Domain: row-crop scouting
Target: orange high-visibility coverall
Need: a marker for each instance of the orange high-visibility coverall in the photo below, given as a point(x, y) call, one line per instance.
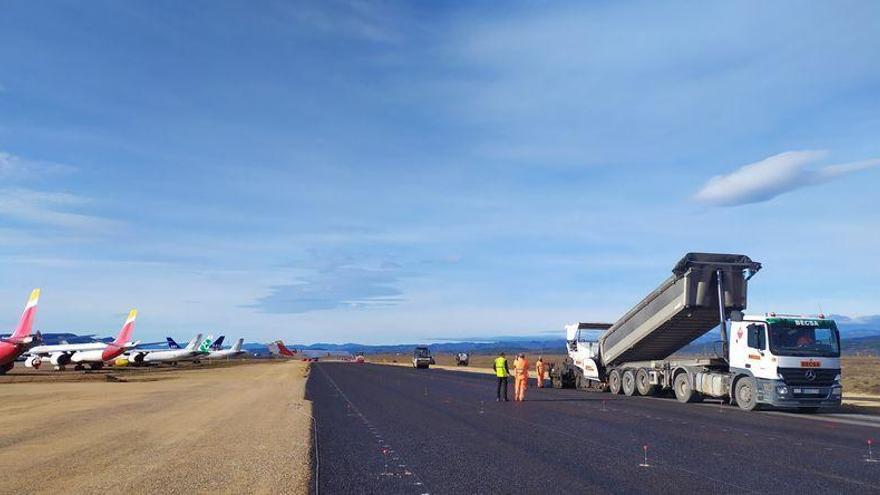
point(521, 368)
point(539, 370)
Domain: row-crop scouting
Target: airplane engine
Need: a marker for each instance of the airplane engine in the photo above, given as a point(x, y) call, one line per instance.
point(33, 362)
point(136, 358)
point(59, 359)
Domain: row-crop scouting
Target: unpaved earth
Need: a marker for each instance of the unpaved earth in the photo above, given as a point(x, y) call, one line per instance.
point(229, 430)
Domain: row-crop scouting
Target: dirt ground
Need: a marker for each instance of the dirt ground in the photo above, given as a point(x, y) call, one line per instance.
point(228, 429)
point(861, 375)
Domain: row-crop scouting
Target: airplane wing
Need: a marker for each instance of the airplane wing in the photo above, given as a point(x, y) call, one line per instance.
point(49, 352)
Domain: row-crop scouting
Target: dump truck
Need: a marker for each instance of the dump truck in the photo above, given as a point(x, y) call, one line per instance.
point(779, 360)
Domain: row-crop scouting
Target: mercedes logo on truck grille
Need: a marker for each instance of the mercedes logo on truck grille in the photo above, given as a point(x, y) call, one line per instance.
point(810, 375)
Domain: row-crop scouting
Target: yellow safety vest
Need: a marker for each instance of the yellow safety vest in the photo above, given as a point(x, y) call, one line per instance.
point(500, 370)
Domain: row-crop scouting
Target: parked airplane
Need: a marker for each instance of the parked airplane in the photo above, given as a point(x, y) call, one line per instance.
point(278, 349)
point(174, 354)
point(94, 354)
point(217, 353)
point(21, 339)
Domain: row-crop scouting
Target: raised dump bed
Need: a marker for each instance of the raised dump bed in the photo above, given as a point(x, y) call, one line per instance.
point(682, 308)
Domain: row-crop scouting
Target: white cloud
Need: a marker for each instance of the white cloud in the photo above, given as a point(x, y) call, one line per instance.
point(16, 167)
point(770, 177)
point(48, 208)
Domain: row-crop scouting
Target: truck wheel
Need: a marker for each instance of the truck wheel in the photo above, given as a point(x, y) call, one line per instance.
point(643, 383)
point(682, 388)
point(614, 382)
point(628, 383)
point(746, 394)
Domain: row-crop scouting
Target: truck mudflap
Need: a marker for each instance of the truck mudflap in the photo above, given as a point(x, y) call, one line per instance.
point(777, 394)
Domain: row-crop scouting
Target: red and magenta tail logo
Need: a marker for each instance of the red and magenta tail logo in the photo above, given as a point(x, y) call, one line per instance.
point(125, 334)
point(284, 351)
point(27, 317)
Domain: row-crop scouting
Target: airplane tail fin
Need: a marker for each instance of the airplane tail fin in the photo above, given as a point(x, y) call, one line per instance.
point(218, 344)
point(206, 344)
point(27, 317)
point(237, 346)
point(124, 336)
point(191, 346)
point(283, 350)
point(172, 344)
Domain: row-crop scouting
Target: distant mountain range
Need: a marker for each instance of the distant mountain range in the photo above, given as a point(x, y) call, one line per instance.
point(863, 326)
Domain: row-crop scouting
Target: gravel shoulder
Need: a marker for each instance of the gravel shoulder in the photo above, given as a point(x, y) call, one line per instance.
point(230, 430)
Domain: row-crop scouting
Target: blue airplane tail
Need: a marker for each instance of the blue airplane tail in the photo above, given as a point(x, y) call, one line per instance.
point(171, 343)
point(218, 344)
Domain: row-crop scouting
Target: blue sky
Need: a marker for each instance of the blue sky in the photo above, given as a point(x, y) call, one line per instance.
point(396, 171)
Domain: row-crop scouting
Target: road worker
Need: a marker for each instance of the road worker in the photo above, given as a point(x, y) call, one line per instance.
point(521, 370)
point(539, 370)
point(502, 372)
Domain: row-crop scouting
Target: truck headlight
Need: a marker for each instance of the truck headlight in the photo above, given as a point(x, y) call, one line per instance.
point(781, 390)
point(836, 391)
point(837, 378)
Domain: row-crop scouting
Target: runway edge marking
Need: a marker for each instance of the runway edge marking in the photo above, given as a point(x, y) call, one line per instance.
point(372, 429)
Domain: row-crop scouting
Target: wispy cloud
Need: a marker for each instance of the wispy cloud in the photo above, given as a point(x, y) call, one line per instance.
point(778, 174)
point(16, 167)
point(50, 208)
point(351, 19)
point(349, 283)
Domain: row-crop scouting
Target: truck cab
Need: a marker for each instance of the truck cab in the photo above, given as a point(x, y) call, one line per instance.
point(422, 358)
point(583, 348)
point(790, 361)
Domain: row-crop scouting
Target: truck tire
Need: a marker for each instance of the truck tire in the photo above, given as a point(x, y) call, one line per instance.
point(746, 394)
point(643, 383)
point(614, 382)
point(681, 385)
point(628, 383)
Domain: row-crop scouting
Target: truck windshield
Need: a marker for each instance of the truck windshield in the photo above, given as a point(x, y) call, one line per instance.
point(425, 353)
point(787, 338)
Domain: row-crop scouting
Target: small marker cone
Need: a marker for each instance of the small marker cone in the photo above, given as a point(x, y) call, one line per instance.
point(870, 456)
point(385, 459)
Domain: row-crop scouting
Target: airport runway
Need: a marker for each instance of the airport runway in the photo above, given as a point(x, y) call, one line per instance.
point(442, 432)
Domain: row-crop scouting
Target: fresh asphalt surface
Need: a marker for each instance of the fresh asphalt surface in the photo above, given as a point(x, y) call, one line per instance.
point(387, 429)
